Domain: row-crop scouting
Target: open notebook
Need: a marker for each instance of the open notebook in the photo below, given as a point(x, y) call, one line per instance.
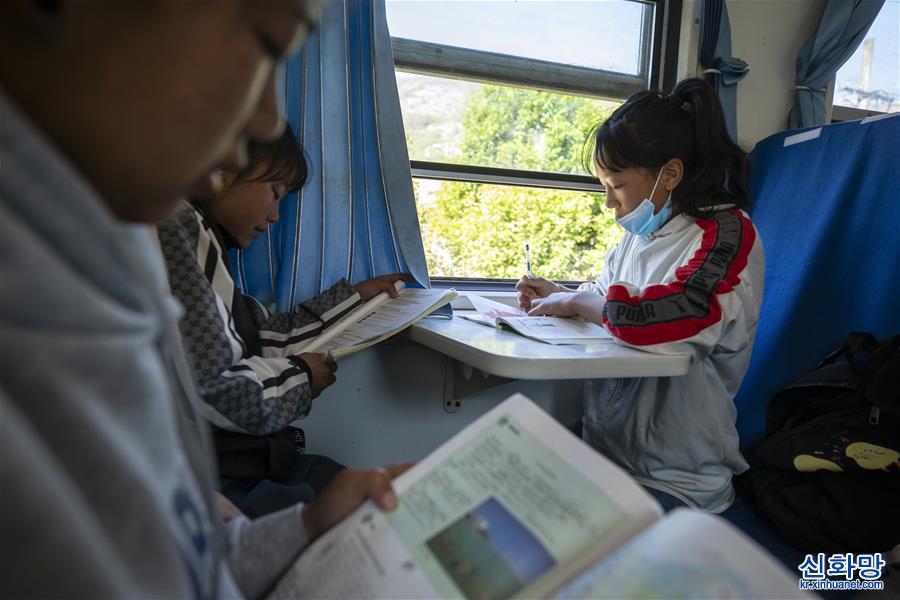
point(515, 505)
point(551, 330)
point(378, 319)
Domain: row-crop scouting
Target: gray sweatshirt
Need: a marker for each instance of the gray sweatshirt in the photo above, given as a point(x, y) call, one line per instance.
point(107, 476)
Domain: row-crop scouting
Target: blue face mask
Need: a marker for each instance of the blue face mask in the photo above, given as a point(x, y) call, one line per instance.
point(642, 220)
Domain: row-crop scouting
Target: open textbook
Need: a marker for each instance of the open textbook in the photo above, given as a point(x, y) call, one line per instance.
point(378, 319)
point(516, 506)
point(551, 330)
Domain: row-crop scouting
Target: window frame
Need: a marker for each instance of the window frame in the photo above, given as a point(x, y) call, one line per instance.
point(428, 58)
point(660, 33)
point(422, 169)
point(840, 113)
point(488, 284)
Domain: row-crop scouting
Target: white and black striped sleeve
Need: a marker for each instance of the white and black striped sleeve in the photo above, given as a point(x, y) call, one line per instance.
point(287, 334)
point(258, 395)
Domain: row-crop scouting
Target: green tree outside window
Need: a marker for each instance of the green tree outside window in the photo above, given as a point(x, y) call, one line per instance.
point(479, 230)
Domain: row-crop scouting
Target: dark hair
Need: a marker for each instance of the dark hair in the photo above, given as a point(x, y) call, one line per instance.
point(652, 128)
point(283, 159)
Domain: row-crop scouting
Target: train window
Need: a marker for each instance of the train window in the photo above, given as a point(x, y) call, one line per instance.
point(497, 100)
point(869, 82)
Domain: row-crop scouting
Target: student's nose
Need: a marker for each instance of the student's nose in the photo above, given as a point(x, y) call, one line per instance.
point(266, 122)
point(273, 216)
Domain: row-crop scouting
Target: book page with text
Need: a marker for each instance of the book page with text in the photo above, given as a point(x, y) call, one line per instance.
point(387, 319)
point(688, 554)
point(513, 504)
point(556, 330)
point(324, 339)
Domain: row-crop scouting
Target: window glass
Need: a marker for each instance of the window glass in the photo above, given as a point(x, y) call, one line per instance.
point(601, 35)
point(480, 230)
point(462, 122)
point(870, 79)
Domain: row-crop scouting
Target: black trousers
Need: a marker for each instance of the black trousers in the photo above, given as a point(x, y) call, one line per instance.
point(263, 474)
point(303, 481)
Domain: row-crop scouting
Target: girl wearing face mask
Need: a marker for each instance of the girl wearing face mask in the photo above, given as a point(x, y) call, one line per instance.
point(249, 365)
point(687, 276)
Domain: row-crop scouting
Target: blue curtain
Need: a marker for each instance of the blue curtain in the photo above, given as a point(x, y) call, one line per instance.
point(842, 27)
point(720, 69)
point(356, 215)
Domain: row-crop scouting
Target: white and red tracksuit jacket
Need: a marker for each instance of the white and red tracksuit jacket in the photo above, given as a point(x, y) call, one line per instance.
point(694, 286)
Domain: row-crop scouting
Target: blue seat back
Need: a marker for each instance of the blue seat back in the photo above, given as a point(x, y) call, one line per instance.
point(828, 213)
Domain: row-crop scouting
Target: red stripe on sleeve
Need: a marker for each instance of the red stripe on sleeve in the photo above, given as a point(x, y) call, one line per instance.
point(651, 332)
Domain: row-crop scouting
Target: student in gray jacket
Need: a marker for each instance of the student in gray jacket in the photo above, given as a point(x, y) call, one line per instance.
point(251, 371)
point(108, 112)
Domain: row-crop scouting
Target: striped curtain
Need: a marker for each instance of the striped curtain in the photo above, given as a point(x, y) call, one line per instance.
point(356, 214)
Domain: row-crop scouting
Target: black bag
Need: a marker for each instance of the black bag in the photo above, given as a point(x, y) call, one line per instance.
point(257, 457)
point(828, 472)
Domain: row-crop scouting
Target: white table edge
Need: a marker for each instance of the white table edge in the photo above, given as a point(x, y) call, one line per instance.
point(590, 367)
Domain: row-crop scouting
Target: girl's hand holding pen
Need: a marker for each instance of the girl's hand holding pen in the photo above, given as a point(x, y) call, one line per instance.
point(529, 288)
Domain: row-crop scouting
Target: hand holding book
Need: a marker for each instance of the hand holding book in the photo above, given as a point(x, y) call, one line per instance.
point(321, 370)
point(382, 316)
point(347, 492)
point(383, 283)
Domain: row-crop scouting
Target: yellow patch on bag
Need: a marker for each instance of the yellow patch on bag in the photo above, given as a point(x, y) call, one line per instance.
point(870, 456)
point(809, 463)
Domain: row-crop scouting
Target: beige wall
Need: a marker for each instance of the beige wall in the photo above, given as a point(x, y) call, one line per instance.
point(767, 34)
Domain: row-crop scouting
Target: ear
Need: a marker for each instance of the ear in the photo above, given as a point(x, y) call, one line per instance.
point(673, 172)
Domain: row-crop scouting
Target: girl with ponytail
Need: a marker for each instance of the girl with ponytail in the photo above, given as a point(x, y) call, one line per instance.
point(687, 276)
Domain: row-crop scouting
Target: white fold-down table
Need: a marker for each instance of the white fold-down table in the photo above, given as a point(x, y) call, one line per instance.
point(511, 355)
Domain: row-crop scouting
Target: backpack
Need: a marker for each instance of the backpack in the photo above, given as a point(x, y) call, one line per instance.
point(827, 473)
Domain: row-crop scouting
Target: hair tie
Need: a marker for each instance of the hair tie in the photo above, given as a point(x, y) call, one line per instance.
point(679, 103)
